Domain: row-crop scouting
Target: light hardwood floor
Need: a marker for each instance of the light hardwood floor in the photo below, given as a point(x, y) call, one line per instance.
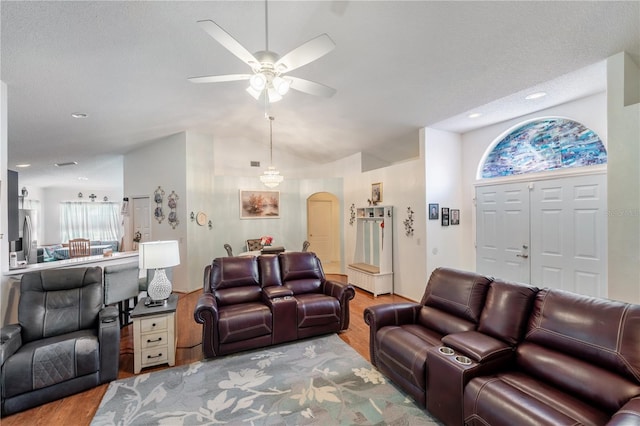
point(79, 409)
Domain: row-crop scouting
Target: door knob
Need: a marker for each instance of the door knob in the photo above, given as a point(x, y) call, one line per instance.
point(524, 256)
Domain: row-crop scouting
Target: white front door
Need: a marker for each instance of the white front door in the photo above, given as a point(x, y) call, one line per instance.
point(549, 233)
point(570, 239)
point(502, 237)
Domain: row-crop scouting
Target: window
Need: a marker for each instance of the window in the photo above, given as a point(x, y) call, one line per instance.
point(95, 221)
point(543, 145)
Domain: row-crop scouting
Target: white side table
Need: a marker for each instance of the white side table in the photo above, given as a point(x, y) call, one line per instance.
point(154, 334)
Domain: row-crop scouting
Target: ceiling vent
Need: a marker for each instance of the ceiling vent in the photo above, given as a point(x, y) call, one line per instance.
point(255, 164)
point(68, 163)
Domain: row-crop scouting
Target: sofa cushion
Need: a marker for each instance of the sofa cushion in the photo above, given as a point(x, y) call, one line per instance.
point(582, 379)
point(301, 272)
point(518, 399)
point(506, 311)
point(442, 322)
point(602, 332)
point(269, 271)
point(459, 293)
point(46, 362)
point(317, 309)
point(52, 303)
point(235, 280)
point(244, 321)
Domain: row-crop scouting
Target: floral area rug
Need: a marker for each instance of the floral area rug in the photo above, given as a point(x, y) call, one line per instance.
point(314, 381)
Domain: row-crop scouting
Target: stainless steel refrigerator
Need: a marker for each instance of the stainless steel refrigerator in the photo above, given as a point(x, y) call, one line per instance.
point(29, 234)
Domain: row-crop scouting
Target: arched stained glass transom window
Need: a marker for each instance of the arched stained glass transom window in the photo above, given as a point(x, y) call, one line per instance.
point(543, 145)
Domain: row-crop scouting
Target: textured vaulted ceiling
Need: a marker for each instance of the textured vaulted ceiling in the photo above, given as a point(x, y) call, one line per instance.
point(398, 66)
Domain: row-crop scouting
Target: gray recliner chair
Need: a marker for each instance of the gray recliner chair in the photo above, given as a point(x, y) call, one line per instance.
point(66, 341)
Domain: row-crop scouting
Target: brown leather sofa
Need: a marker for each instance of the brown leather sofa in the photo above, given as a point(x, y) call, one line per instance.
point(255, 301)
point(526, 357)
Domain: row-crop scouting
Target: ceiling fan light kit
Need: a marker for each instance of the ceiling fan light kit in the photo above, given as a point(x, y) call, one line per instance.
point(268, 67)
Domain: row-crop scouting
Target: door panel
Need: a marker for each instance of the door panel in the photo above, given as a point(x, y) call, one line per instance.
point(141, 219)
point(569, 252)
point(320, 228)
point(503, 231)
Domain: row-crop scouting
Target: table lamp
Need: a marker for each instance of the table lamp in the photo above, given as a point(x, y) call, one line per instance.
point(159, 255)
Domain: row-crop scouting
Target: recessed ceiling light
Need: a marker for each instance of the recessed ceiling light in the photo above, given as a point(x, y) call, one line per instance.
point(79, 115)
point(83, 178)
point(474, 115)
point(68, 163)
point(536, 95)
point(22, 166)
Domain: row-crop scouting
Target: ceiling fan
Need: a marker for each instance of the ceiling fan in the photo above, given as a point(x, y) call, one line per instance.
point(269, 75)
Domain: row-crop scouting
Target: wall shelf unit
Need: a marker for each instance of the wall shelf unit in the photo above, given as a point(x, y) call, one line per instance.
point(372, 267)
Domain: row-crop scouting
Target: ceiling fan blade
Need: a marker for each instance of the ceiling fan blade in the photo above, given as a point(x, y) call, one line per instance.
point(311, 87)
point(305, 53)
point(230, 43)
point(220, 78)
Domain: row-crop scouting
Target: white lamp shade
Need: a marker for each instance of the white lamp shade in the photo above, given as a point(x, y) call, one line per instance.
point(158, 254)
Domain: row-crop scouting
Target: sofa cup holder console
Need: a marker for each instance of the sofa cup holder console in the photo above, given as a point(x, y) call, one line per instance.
point(460, 359)
point(446, 350)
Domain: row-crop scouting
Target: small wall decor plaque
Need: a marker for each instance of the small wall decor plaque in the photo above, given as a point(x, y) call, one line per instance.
point(433, 211)
point(445, 216)
point(455, 217)
point(408, 223)
point(352, 213)
point(376, 193)
point(172, 202)
point(158, 196)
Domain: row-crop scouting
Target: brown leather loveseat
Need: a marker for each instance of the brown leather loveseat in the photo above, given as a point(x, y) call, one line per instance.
point(479, 351)
point(255, 301)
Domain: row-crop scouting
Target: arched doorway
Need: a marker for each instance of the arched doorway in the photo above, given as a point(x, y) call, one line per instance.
point(543, 220)
point(323, 230)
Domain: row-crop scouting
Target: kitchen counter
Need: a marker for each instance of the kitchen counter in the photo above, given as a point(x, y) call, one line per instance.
point(98, 260)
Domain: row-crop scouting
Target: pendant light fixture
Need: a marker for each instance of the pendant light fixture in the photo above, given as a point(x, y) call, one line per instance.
point(271, 177)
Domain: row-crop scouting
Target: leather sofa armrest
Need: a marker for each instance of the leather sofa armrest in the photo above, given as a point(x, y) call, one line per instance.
point(206, 312)
point(10, 341)
point(343, 292)
point(628, 414)
point(109, 338)
point(339, 290)
point(379, 316)
point(479, 347)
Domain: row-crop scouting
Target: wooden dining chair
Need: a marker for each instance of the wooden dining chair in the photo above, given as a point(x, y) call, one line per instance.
point(254, 244)
point(79, 247)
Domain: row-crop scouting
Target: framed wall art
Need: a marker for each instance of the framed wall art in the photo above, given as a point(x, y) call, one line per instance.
point(445, 216)
point(455, 217)
point(433, 211)
point(376, 193)
point(259, 204)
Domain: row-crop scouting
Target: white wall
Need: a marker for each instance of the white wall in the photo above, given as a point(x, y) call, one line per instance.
point(403, 187)
point(590, 111)
point(163, 163)
point(445, 244)
point(623, 190)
